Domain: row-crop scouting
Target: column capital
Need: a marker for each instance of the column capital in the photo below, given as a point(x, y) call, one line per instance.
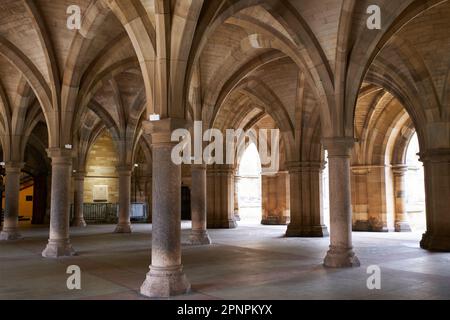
point(400, 169)
point(79, 175)
point(360, 170)
point(436, 155)
point(124, 169)
point(14, 166)
point(161, 131)
point(198, 167)
point(305, 166)
point(60, 155)
point(338, 146)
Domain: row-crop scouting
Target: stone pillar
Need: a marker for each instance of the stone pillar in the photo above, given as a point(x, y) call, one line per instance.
point(148, 196)
point(341, 252)
point(124, 224)
point(437, 191)
point(59, 243)
point(78, 219)
point(360, 201)
point(305, 179)
point(372, 201)
point(237, 179)
point(380, 200)
point(401, 218)
point(199, 234)
point(275, 199)
point(166, 277)
point(12, 189)
point(220, 201)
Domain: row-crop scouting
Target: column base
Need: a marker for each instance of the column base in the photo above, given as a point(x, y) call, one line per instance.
point(435, 242)
point(402, 227)
point(199, 238)
point(274, 221)
point(341, 258)
point(361, 225)
point(306, 231)
point(79, 223)
point(10, 235)
point(237, 217)
point(226, 224)
point(58, 248)
point(123, 228)
point(368, 226)
point(165, 283)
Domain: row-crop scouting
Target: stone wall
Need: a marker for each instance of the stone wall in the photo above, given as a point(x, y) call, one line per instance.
point(101, 169)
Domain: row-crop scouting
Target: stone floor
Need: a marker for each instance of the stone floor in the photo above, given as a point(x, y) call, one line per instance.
point(251, 262)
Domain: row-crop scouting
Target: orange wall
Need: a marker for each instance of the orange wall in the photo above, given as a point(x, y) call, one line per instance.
point(25, 208)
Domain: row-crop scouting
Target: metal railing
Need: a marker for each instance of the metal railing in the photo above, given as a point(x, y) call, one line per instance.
point(108, 213)
point(97, 213)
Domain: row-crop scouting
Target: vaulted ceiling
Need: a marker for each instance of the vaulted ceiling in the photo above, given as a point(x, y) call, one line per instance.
point(302, 63)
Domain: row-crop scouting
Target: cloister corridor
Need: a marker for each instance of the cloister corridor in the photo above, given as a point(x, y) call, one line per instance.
point(126, 128)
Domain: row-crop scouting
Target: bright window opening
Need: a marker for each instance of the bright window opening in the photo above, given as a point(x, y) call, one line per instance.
point(415, 187)
point(249, 186)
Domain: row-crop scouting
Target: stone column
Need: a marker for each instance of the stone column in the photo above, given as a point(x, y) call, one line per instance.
point(380, 201)
point(236, 197)
point(148, 193)
point(372, 202)
point(360, 201)
point(220, 201)
point(437, 191)
point(166, 277)
point(12, 189)
point(199, 234)
point(305, 179)
point(124, 224)
point(59, 243)
point(401, 218)
point(78, 219)
point(275, 198)
point(341, 253)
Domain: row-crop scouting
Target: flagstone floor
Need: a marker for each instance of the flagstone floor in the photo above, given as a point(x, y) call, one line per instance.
point(250, 262)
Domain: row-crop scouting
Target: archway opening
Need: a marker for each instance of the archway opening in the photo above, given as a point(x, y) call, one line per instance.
point(415, 187)
point(249, 186)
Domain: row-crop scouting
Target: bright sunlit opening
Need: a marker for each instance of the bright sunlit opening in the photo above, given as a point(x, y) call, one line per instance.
point(415, 187)
point(249, 186)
